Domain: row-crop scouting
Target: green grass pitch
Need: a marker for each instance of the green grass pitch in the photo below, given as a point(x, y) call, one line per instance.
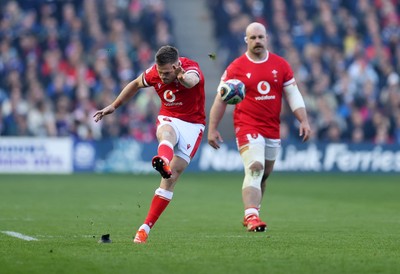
point(317, 223)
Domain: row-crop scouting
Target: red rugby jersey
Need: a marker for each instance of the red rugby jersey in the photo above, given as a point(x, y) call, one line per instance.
point(187, 104)
point(260, 111)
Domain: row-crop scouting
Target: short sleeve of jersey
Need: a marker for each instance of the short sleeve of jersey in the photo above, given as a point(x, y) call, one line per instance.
point(149, 76)
point(288, 77)
point(230, 71)
point(190, 66)
point(236, 68)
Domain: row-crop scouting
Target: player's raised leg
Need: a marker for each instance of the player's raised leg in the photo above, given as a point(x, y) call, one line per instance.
point(167, 138)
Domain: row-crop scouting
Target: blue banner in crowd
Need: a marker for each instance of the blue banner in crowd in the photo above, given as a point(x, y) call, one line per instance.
point(129, 156)
point(35, 155)
point(62, 155)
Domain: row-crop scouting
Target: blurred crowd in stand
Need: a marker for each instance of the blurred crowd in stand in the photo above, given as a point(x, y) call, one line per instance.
point(62, 60)
point(345, 56)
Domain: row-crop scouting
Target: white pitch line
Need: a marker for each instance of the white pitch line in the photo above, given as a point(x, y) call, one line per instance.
point(20, 236)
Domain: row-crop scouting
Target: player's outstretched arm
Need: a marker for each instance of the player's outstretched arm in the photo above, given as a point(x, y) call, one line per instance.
point(216, 113)
point(103, 112)
point(127, 92)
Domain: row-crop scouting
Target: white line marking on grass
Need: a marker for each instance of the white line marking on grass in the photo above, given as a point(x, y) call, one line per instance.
point(63, 236)
point(20, 236)
point(228, 236)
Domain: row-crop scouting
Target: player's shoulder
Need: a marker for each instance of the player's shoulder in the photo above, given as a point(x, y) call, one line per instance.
point(187, 62)
point(238, 62)
point(190, 65)
point(151, 70)
point(150, 75)
point(240, 59)
point(273, 57)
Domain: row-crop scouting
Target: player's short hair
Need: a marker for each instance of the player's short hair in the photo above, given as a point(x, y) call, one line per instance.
point(167, 55)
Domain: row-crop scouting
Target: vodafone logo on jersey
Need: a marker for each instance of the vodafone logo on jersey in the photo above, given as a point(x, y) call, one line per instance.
point(263, 87)
point(169, 96)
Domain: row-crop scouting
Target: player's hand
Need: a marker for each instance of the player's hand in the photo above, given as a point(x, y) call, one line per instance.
point(214, 139)
point(305, 131)
point(179, 71)
point(101, 113)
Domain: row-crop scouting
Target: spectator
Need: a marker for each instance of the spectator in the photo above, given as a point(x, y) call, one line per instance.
point(346, 53)
point(61, 60)
point(342, 51)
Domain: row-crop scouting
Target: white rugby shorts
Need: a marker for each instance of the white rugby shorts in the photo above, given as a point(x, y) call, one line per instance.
point(188, 135)
point(268, 147)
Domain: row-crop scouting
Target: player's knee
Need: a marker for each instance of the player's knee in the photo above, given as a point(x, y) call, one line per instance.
point(166, 132)
point(253, 175)
point(256, 168)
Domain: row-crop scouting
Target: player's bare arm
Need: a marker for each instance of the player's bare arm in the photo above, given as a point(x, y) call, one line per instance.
point(296, 103)
point(187, 78)
point(127, 92)
point(216, 113)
